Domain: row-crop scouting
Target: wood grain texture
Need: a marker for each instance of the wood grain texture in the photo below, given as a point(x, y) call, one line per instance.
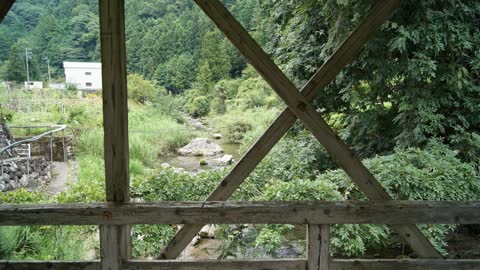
point(52, 265)
point(420, 264)
point(313, 246)
point(324, 247)
point(281, 264)
point(318, 247)
point(114, 240)
point(5, 6)
point(311, 119)
point(347, 51)
point(364, 212)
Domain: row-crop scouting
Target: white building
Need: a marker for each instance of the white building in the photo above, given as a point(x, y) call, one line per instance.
point(33, 85)
point(85, 76)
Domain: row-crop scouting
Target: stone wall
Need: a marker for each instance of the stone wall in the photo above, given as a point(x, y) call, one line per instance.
point(28, 173)
point(5, 140)
point(17, 172)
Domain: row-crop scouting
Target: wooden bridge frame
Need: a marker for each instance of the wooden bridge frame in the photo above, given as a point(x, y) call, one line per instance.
point(117, 215)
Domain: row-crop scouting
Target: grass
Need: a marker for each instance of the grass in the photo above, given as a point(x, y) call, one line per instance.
point(243, 126)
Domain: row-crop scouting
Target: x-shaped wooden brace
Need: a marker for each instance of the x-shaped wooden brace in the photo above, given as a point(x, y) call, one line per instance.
point(5, 6)
point(299, 107)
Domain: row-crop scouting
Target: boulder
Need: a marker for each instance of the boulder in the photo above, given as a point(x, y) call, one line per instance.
point(200, 147)
point(207, 231)
point(197, 124)
point(217, 136)
point(24, 181)
point(223, 161)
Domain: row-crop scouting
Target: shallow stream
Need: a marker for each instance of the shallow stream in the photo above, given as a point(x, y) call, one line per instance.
point(190, 163)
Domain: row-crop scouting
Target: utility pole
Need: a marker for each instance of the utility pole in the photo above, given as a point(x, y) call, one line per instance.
point(27, 51)
point(48, 68)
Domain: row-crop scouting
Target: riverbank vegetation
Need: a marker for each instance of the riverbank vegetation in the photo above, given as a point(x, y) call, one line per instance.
point(408, 107)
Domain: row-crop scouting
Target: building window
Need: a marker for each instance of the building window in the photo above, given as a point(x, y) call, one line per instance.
point(88, 73)
point(88, 84)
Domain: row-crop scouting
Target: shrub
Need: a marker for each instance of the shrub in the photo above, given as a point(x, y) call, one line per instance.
point(198, 107)
point(234, 132)
point(166, 184)
point(434, 173)
point(7, 115)
point(218, 105)
point(252, 93)
point(142, 90)
point(228, 87)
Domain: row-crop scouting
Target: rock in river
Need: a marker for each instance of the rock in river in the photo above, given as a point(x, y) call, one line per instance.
point(223, 161)
point(200, 147)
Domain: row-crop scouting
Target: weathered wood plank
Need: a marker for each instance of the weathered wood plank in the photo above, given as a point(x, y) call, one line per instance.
point(311, 119)
point(281, 264)
point(379, 13)
point(114, 240)
point(313, 246)
point(318, 247)
point(365, 212)
point(5, 6)
point(324, 247)
point(115, 97)
point(52, 265)
point(421, 264)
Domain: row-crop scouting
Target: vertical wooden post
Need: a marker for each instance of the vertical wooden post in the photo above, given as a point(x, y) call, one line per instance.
point(318, 247)
point(5, 7)
point(114, 240)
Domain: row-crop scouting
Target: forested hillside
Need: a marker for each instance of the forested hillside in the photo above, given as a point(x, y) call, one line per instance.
point(418, 79)
point(167, 40)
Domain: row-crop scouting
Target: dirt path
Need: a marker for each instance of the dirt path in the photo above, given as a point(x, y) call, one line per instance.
point(59, 182)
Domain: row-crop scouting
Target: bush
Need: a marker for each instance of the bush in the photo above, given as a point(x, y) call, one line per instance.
point(219, 106)
point(434, 173)
point(142, 90)
point(7, 115)
point(198, 107)
point(234, 132)
point(252, 93)
point(166, 184)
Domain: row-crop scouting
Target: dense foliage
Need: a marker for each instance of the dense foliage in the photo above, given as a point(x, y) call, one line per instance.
point(169, 41)
point(417, 79)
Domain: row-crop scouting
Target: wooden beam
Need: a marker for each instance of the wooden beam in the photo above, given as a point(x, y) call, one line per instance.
point(314, 242)
point(379, 13)
point(5, 6)
point(364, 212)
point(311, 119)
point(115, 244)
point(52, 265)
point(318, 247)
point(324, 247)
point(405, 264)
point(280, 264)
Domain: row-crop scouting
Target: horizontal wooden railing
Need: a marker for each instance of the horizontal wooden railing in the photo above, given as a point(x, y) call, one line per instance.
point(311, 213)
point(279, 264)
point(359, 212)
